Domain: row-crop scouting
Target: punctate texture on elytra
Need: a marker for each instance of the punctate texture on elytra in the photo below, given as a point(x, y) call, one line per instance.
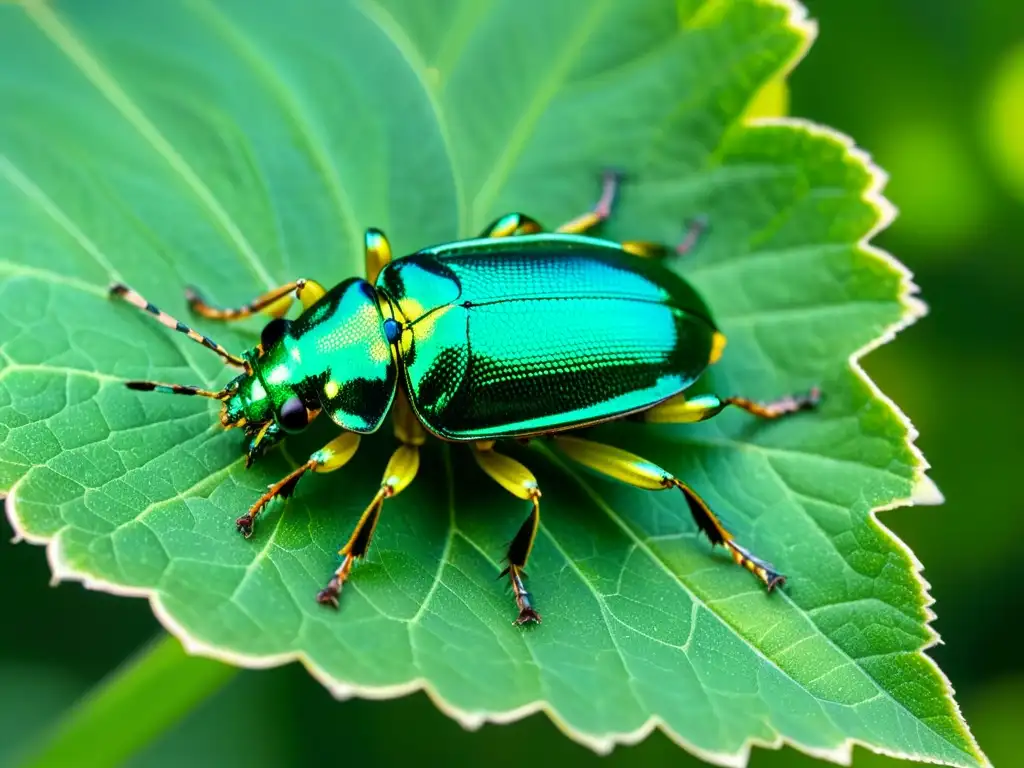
point(236, 146)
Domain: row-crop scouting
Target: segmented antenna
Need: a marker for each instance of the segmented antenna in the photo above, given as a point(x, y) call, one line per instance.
point(176, 389)
point(132, 297)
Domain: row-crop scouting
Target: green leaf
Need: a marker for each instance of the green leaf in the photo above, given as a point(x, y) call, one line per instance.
point(237, 145)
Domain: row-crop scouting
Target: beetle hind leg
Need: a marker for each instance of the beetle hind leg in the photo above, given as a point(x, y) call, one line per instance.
point(629, 468)
point(520, 482)
point(683, 410)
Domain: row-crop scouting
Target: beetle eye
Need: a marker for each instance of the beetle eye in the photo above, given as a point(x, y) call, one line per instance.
point(293, 416)
point(273, 332)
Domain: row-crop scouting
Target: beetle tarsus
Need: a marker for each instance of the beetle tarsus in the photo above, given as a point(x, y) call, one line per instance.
point(611, 180)
point(328, 596)
point(777, 408)
point(244, 525)
point(813, 397)
point(695, 227)
point(762, 569)
point(527, 615)
point(524, 600)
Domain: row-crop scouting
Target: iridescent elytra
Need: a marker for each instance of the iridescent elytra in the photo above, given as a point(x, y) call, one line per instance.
point(517, 334)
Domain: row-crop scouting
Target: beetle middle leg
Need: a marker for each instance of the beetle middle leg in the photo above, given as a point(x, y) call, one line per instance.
point(274, 303)
point(520, 482)
point(630, 468)
point(401, 471)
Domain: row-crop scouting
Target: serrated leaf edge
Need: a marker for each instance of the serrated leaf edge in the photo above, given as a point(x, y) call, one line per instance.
point(924, 492)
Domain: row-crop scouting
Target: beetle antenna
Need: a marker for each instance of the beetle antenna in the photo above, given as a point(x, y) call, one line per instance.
point(122, 291)
point(177, 389)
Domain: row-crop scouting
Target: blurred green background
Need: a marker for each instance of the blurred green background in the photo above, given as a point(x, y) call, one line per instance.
point(934, 90)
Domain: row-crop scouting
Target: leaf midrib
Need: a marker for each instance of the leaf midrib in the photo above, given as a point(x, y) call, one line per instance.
point(514, 145)
point(384, 21)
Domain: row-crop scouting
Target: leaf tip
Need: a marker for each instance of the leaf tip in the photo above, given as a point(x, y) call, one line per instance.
point(926, 492)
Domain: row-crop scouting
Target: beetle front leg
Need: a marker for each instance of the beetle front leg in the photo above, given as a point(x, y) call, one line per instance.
point(274, 303)
point(401, 471)
point(261, 440)
point(329, 458)
point(376, 252)
point(520, 482)
point(629, 468)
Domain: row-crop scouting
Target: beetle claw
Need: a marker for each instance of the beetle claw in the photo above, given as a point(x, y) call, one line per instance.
point(614, 174)
point(813, 397)
point(775, 580)
point(762, 569)
point(328, 596)
point(526, 615)
point(244, 525)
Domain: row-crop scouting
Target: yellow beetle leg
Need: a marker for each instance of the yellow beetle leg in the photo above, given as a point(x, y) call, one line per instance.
point(646, 249)
point(520, 482)
point(519, 224)
point(406, 426)
point(274, 303)
point(681, 410)
point(512, 224)
point(329, 458)
point(377, 252)
point(631, 469)
point(601, 210)
point(651, 250)
point(401, 470)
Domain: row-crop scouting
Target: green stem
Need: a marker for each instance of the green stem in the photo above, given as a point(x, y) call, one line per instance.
point(138, 702)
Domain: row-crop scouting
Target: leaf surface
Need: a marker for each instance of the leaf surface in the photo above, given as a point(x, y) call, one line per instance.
point(238, 145)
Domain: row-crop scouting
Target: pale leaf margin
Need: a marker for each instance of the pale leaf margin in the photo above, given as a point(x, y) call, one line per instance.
point(924, 492)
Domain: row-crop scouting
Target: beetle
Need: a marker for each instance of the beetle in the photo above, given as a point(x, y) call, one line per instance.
point(517, 334)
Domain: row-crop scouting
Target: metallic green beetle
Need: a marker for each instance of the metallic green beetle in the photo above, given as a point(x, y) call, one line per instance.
point(516, 334)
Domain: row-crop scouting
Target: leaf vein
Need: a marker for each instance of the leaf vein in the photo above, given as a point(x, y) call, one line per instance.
point(532, 112)
point(72, 47)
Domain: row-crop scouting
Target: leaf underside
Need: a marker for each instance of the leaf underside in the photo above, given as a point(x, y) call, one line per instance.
point(237, 145)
